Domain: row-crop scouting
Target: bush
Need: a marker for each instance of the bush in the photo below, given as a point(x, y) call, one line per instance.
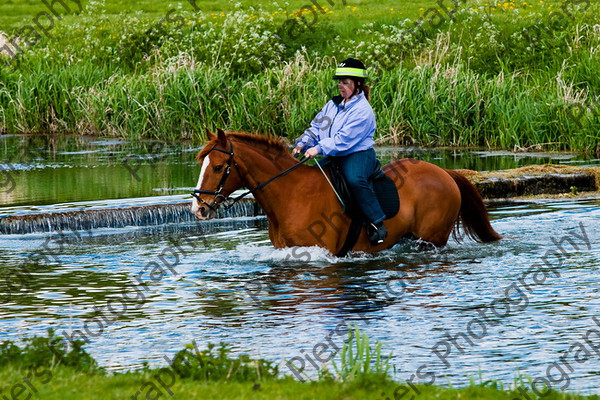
point(37, 351)
point(214, 364)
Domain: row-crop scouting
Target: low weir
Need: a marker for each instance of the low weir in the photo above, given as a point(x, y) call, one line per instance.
point(116, 217)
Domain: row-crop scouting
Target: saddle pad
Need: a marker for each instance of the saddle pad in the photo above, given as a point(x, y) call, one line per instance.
point(383, 186)
point(387, 194)
point(390, 203)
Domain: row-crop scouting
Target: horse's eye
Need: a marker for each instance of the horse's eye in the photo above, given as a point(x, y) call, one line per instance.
point(218, 168)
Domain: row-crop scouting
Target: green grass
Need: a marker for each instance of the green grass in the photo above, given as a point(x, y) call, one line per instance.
point(116, 70)
point(66, 385)
point(14, 14)
point(33, 371)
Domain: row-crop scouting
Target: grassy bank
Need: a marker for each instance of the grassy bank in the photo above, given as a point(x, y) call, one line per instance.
point(499, 75)
point(68, 386)
point(44, 369)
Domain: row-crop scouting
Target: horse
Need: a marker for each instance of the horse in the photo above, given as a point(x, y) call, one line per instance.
point(303, 210)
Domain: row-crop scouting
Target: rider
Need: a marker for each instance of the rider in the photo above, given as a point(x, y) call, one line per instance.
point(344, 131)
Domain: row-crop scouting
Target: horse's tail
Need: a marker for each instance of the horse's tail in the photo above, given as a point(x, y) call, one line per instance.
point(473, 213)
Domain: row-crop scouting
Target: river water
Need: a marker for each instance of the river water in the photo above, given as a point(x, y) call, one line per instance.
point(50, 170)
point(512, 306)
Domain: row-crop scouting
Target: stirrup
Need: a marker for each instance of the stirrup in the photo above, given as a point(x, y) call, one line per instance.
point(376, 233)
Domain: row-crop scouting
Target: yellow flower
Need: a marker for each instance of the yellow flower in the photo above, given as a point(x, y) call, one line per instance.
point(421, 9)
point(391, 9)
point(474, 10)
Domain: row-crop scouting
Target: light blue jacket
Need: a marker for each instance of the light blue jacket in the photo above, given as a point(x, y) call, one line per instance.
point(341, 129)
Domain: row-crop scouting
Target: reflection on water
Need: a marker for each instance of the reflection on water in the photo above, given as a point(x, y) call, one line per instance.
point(229, 284)
point(58, 169)
point(61, 169)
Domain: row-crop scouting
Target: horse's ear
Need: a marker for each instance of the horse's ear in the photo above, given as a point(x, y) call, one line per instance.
point(209, 135)
point(221, 138)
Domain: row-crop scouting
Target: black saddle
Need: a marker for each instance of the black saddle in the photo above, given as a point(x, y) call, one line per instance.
point(384, 189)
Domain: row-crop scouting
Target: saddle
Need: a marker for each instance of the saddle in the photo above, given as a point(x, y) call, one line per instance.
point(385, 191)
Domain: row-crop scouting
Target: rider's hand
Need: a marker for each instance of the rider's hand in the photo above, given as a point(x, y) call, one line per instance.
point(297, 150)
point(311, 153)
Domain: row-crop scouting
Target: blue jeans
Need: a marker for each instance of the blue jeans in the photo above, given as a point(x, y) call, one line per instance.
point(357, 168)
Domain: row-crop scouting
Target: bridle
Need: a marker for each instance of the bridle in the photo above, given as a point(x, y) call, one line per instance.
point(217, 193)
point(229, 202)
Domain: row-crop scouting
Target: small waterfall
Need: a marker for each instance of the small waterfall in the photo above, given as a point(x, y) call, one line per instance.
point(147, 215)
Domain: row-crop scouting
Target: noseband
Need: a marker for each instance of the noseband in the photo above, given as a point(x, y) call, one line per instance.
point(217, 193)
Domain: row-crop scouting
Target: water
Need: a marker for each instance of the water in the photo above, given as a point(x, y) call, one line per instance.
point(59, 169)
point(229, 284)
point(44, 170)
point(81, 216)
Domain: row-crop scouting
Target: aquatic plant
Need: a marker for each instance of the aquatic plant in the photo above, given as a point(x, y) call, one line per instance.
point(359, 361)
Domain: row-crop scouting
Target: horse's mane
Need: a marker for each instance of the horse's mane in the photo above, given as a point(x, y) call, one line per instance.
point(269, 145)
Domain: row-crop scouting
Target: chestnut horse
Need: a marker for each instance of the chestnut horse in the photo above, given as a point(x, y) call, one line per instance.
point(303, 210)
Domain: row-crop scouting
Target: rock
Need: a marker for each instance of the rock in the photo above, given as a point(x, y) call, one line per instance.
point(6, 48)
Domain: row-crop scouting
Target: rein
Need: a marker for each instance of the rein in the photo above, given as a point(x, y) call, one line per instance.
point(232, 200)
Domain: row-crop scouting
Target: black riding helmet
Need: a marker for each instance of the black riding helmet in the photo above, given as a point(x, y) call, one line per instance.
point(354, 69)
point(351, 68)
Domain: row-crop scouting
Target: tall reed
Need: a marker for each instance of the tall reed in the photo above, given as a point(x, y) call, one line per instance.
point(450, 92)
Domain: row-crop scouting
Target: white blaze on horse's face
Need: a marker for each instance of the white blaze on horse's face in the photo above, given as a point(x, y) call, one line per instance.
point(195, 203)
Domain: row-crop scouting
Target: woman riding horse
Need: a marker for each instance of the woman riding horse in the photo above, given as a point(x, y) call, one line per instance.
point(303, 210)
point(343, 131)
point(301, 207)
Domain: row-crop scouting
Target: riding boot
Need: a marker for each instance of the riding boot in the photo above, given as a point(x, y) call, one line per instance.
point(376, 233)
